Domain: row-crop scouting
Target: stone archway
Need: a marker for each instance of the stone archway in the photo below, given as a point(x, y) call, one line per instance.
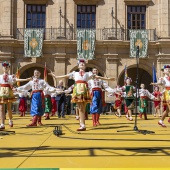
point(144, 77)
point(28, 70)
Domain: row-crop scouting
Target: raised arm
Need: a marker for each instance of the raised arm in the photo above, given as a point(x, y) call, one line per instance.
point(57, 77)
point(27, 87)
point(22, 80)
point(104, 78)
point(107, 88)
point(152, 97)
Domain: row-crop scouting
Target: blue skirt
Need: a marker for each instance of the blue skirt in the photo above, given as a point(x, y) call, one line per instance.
point(36, 105)
point(96, 105)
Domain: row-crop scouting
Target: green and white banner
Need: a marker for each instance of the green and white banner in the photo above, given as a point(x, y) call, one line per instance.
point(33, 42)
point(138, 38)
point(86, 43)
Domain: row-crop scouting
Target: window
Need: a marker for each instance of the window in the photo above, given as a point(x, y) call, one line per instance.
point(136, 17)
point(36, 15)
point(86, 16)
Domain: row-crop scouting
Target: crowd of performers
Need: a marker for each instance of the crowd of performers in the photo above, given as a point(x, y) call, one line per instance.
point(87, 91)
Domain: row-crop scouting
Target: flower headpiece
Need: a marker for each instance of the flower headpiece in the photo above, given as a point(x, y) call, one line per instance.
point(81, 61)
point(128, 78)
point(165, 66)
point(5, 64)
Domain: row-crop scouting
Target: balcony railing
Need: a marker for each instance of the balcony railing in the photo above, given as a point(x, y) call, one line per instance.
point(101, 34)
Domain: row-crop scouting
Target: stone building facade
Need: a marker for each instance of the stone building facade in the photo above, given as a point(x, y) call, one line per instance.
point(112, 43)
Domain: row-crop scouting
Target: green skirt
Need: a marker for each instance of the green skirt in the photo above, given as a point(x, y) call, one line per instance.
point(48, 105)
point(143, 103)
point(130, 103)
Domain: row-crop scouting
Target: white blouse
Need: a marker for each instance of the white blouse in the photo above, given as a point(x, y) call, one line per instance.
point(36, 84)
point(98, 83)
point(78, 76)
point(7, 79)
point(165, 81)
point(145, 92)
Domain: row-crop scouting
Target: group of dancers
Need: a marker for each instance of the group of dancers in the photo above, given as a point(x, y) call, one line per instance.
point(88, 88)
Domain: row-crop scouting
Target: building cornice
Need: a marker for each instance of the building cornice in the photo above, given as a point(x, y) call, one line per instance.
point(87, 2)
point(35, 1)
point(163, 58)
point(59, 57)
point(137, 2)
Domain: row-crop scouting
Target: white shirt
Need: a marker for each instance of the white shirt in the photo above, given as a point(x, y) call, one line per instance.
point(7, 79)
point(144, 92)
point(36, 84)
point(165, 81)
point(77, 76)
point(98, 83)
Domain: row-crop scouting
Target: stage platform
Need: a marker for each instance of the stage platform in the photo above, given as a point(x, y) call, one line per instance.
point(113, 144)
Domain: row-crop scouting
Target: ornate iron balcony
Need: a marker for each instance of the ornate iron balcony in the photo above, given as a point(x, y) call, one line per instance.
point(101, 34)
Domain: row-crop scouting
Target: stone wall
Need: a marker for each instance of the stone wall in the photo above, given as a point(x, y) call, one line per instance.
point(60, 55)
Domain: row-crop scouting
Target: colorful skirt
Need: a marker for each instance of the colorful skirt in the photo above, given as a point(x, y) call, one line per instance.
point(118, 104)
point(22, 104)
point(6, 94)
point(81, 93)
point(166, 97)
point(129, 103)
point(54, 105)
point(143, 103)
point(157, 104)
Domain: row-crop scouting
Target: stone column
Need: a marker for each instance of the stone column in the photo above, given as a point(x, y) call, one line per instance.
point(7, 18)
point(112, 70)
point(60, 67)
point(163, 18)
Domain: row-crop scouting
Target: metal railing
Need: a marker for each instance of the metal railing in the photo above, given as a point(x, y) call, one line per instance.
point(101, 34)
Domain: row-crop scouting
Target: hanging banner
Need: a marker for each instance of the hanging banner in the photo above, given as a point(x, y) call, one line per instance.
point(33, 42)
point(138, 38)
point(86, 43)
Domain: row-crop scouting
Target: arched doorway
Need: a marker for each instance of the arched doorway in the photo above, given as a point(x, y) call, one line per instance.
point(144, 77)
point(71, 81)
point(30, 72)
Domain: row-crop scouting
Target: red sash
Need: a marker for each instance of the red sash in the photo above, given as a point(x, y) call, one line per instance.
point(81, 81)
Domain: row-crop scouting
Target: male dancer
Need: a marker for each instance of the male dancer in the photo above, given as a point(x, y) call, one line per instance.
point(96, 86)
point(143, 102)
point(37, 100)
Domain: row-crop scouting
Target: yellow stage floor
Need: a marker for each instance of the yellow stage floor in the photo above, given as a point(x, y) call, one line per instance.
point(98, 147)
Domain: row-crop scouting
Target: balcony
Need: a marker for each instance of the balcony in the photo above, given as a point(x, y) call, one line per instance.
point(101, 34)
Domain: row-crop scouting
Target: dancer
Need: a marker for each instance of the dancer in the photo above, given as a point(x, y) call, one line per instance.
point(81, 94)
point(165, 81)
point(48, 103)
point(96, 86)
point(143, 102)
point(23, 102)
point(118, 100)
point(6, 93)
point(37, 100)
point(129, 98)
point(54, 103)
point(157, 103)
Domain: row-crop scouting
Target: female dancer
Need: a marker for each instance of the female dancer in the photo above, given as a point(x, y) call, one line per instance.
point(81, 94)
